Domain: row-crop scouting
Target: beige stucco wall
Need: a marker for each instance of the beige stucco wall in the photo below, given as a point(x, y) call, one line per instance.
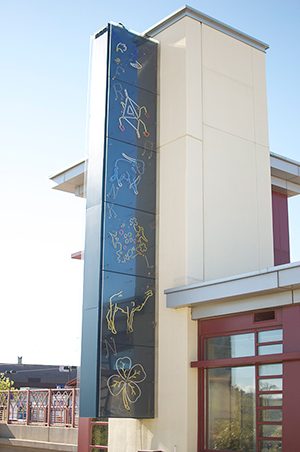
point(38, 438)
point(236, 163)
point(214, 206)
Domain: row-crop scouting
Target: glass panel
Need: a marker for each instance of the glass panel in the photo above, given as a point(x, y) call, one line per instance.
point(127, 346)
point(130, 176)
point(270, 336)
point(132, 113)
point(235, 346)
point(270, 415)
point(99, 449)
point(271, 384)
point(269, 369)
point(270, 430)
point(270, 446)
point(129, 243)
point(231, 408)
point(270, 400)
point(270, 349)
point(99, 435)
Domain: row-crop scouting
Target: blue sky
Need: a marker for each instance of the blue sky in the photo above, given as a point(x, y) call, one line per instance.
point(43, 92)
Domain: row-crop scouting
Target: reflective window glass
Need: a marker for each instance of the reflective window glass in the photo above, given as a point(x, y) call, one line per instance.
point(224, 347)
point(269, 349)
point(270, 430)
point(269, 369)
point(270, 400)
point(231, 408)
point(270, 446)
point(270, 336)
point(270, 384)
point(270, 415)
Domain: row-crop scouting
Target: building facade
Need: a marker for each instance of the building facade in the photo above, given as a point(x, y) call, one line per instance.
point(227, 350)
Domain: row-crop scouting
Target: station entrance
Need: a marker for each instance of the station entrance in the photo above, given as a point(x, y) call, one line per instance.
point(249, 368)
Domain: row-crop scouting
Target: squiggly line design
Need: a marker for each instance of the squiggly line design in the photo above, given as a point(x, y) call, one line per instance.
point(131, 112)
point(138, 247)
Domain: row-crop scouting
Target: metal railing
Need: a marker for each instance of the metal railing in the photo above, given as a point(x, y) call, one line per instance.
point(56, 407)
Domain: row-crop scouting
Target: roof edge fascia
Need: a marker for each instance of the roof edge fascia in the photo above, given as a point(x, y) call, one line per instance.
point(207, 20)
point(271, 280)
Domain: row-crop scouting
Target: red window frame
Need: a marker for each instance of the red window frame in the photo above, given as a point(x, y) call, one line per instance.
point(287, 318)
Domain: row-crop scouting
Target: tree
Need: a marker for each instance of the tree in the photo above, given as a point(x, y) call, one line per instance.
point(5, 382)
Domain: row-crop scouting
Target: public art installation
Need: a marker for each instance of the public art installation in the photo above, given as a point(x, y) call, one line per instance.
point(125, 306)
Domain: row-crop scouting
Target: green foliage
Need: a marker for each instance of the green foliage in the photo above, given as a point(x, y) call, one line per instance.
point(5, 383)
point(237, 433)
point(99, 434)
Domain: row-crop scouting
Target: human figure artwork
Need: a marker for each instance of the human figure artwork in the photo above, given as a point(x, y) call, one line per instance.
point(130, 170)
point(131, 113)
point(129, 311)
point(129, 244)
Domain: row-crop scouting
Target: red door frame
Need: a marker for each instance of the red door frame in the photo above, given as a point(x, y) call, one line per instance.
point(287, 318)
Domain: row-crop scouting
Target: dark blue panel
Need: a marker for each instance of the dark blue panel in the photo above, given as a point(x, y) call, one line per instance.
point(133, 59)
point(127, 346)
point(129, 245)
point(119, 277)
point(130, 177)
point(132, 114)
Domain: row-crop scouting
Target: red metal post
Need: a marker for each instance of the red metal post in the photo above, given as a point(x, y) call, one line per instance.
point(73, 406)
point(84, 434)
point(49, 408)
point(8, 406)
point(28, 407)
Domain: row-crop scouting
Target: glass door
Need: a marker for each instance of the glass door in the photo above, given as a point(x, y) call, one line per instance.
point(242, 402)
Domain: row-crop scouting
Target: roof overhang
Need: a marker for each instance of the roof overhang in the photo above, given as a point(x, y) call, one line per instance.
point(187, 11)
point(285, 175)
point(226, 291)
point(71, 179)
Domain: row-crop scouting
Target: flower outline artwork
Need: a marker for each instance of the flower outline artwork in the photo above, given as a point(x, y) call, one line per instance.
point(125, 381)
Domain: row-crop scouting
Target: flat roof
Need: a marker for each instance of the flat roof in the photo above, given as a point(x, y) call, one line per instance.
point(201, 17)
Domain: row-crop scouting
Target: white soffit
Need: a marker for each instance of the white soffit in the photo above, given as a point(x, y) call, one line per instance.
point(285, 174)
point(272, 280)
point(71, 179)
point(207, 20)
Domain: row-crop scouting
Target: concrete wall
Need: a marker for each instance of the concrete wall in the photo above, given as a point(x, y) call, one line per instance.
point(214, 202)
point(29, 438)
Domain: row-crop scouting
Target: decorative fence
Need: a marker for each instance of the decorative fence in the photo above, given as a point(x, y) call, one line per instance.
point(56, 407)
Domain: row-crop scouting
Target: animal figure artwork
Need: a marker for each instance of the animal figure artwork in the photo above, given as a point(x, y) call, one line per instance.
point(129, 170)
point(129, 311)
